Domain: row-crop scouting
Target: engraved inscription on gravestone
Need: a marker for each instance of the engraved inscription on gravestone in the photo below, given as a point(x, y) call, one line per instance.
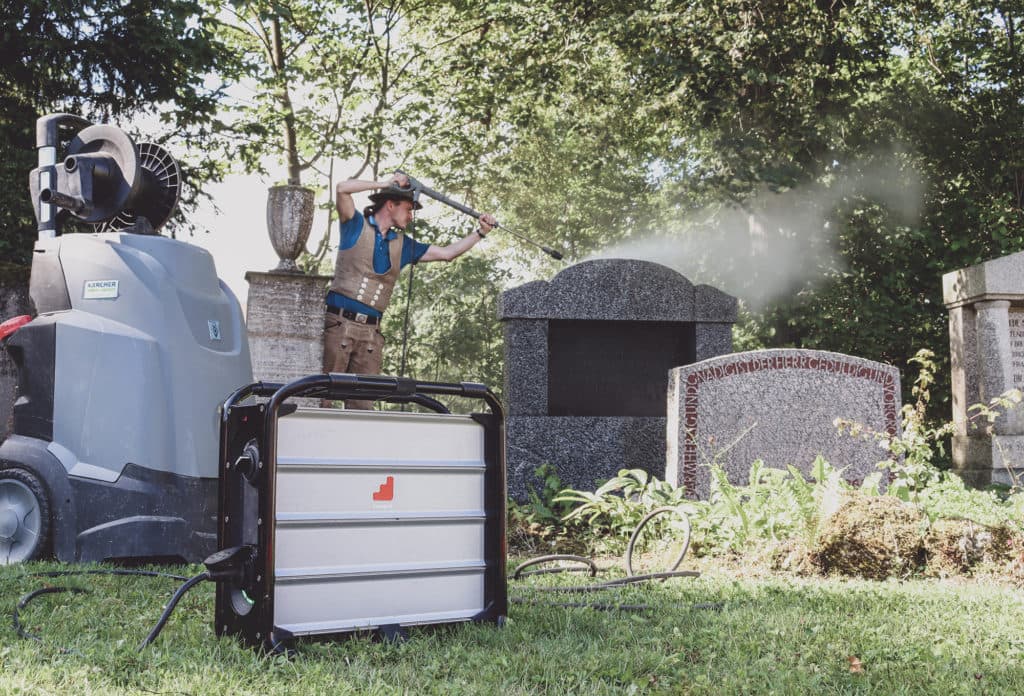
point(1017, 346)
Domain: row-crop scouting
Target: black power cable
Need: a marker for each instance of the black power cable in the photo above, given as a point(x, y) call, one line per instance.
point(235, 563)
point(189, 584)
point(24, 601)
point(105, 571)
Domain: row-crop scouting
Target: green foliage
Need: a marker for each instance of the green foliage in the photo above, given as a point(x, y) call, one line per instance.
point(315, 80)
point(913, 450)
point(749, 100)
point(775, 505)
point(453, 329)
point(911, 453)
point(948, 498)
point(544, 503)
point(538, 124)
point(615, 509)
point(538, 525)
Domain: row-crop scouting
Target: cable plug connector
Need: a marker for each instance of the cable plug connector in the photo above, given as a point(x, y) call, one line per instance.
point(236, 563)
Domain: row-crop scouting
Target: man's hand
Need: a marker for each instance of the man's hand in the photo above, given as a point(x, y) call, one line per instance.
point(398, 179)
point(487, 223)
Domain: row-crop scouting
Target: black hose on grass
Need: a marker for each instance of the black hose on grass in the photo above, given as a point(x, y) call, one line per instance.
point(105, 571)
point(630, 578)
point(24, 602)
point(644, 522)
point(189, 583)
point(519, 573)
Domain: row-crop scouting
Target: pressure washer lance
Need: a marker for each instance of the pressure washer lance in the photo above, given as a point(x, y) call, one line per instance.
point(418, 188)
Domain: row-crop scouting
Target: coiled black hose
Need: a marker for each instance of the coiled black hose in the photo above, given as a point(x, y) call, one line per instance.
point(631, 578)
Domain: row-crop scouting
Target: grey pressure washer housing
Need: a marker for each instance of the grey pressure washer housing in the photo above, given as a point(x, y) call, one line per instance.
point(135, 344)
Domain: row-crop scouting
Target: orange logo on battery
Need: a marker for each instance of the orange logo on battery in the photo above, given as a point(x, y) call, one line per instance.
point(386, 490)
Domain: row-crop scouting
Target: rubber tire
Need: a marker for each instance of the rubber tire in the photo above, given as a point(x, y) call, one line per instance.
point(41, 547)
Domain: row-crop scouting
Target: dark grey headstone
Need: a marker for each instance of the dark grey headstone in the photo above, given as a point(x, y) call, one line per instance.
point(587, 356)
point(584, 451)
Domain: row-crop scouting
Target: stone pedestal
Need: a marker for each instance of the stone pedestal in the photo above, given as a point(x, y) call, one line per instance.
point(986, 339)
point(285, 319)
point(587, 357)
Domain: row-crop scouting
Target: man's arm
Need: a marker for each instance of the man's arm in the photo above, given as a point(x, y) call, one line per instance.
point(457, 249)
point(344, 189)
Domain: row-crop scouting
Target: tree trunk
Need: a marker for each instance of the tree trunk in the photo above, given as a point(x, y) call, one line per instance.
point(290, 145)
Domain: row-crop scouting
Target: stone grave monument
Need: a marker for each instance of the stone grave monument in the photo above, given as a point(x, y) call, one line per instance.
point(986, 341)
point(778, 406)
point(587, 356)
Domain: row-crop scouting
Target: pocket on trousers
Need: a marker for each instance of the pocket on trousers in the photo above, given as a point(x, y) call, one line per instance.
point(330, 322)
point(377, 341)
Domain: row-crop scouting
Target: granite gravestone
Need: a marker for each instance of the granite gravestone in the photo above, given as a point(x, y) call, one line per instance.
point(986, 340)
point(587, 356)
point(778, 406)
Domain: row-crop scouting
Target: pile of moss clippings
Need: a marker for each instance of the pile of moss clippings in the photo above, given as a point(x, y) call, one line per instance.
point(873, 537)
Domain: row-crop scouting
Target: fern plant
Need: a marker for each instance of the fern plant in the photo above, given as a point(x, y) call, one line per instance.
point(775, 505)
point(616, 508)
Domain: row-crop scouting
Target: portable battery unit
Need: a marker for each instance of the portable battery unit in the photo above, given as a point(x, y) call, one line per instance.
point(360, 520)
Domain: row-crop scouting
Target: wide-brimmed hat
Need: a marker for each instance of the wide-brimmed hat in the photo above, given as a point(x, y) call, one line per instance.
point(395, 193)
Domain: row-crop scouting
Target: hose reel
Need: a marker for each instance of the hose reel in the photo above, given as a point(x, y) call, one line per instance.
point(104, 179)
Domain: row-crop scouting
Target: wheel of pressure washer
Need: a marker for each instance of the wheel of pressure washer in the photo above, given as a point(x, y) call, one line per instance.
point(24, 517)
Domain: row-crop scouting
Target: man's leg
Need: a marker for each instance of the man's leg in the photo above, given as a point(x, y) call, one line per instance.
point(366, 357)
point(338, 346)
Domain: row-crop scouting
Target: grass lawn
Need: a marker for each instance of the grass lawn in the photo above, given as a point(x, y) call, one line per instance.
point(780, 635)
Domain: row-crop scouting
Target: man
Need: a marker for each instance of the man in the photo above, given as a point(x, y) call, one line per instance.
point(372, 252)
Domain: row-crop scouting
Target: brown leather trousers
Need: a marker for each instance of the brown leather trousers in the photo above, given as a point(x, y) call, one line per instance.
point(352, 347)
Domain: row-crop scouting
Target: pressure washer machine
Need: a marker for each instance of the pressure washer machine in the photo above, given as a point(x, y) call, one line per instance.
point(135, 343)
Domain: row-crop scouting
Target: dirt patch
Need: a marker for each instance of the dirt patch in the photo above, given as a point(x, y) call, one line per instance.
point(956, 546)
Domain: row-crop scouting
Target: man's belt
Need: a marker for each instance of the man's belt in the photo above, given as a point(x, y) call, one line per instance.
point(357, 317)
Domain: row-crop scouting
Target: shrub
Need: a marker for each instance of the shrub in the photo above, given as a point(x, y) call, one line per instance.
point(774, 505)
point(537, 526)
point(614, 510)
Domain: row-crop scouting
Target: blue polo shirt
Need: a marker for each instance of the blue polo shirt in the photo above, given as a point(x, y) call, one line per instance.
point(411, 249)
point(350, 231)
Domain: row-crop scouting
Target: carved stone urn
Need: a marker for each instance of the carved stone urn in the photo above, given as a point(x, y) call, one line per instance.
point(289, 220)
